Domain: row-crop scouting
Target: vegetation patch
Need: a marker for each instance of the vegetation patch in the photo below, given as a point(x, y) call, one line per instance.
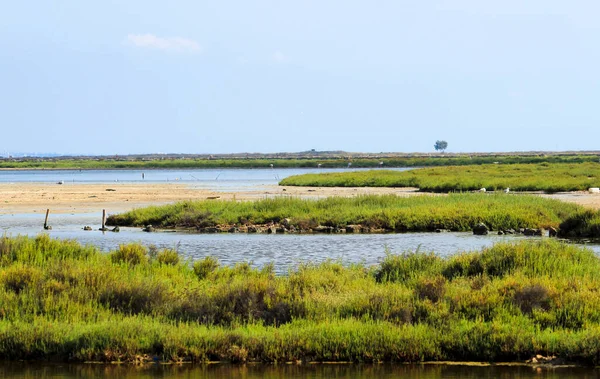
point(545, 177)
point(507, 302)
point(389, 213)
point(310, 160)
point(583, 224)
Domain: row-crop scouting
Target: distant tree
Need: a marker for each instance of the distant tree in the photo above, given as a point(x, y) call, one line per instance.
point(440, 145)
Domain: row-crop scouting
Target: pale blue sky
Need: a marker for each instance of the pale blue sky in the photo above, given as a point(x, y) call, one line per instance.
point(117, 77)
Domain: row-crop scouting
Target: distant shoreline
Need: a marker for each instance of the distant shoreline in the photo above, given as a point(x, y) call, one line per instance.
point(354, 160)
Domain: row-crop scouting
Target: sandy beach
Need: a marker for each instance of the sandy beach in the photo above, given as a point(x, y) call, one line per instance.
point(119, 197)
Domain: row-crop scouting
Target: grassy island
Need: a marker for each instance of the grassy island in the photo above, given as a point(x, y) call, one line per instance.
point(456, 212)
point(544, 177)
point(63, 301)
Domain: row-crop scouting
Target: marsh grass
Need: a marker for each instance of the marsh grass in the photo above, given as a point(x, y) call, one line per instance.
point(507, 302)
point(584, 224)
point(554, 177)
point(324, 162)
point(457, 212)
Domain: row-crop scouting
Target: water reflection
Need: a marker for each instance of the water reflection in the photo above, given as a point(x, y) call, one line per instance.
point(26, 371)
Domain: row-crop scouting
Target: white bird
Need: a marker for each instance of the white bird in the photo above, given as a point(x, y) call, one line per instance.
point(482, 190)
point(507, 190)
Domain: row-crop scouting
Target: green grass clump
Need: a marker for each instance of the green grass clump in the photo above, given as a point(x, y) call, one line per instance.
point(402, 267)
point(584, 224)
point(457, 212)
point(131, 253)
point(507, 302)
point(168, 257)
point(545, 177)
point(204, 267)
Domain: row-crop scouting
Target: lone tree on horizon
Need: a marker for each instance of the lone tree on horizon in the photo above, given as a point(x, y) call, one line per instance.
point(440, 145)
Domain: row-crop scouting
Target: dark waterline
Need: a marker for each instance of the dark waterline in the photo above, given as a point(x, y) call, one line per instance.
point(325, 371)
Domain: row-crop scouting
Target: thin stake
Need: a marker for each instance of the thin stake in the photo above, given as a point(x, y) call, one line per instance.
point(103, 219)
point(46, 220)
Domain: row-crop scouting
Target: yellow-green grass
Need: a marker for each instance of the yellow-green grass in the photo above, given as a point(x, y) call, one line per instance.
point(547, 177)
point(457, 212)
point(62, 301)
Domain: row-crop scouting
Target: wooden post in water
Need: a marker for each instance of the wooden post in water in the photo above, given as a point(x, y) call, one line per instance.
point(46, 226)
point(103, 219)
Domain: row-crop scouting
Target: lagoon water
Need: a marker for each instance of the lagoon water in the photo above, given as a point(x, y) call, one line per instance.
point(284, 251)
point(213, 179)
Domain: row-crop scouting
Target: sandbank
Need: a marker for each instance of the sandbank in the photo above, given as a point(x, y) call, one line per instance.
point(120, 197)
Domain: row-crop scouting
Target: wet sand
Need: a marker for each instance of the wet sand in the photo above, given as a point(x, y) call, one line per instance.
point(583, 198)
point(120, 197)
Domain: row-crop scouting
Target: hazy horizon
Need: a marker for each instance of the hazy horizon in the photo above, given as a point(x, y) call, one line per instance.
point(54, 155)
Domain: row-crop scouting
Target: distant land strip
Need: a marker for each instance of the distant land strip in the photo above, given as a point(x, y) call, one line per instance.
point(308, 159)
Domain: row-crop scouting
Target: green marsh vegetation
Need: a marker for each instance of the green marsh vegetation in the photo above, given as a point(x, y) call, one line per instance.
point(456, 212)
point(63, 301)
point(324, 162)
point(583, 224)
point(545, 177)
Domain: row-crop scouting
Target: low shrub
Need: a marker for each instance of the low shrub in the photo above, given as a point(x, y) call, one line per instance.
point(19, 277)
point(132, 254)
point(395, 268)
point(584, 224)
point(168, 257)
point(204, 267)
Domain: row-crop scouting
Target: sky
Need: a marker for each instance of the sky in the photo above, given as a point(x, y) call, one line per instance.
point(139, 76)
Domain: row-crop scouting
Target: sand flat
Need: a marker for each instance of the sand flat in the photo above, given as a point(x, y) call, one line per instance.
point(119, 197)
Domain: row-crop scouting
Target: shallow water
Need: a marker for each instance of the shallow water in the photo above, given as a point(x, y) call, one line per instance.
point(30, 371)
point(284, 251)
point(213, 179)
